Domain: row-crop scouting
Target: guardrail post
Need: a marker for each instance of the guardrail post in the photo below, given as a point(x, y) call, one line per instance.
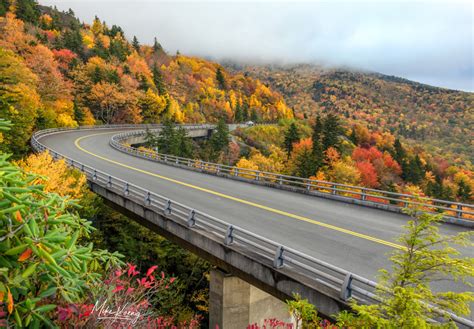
point(82, 167)
point(257, 176)
point(72, 163)
point(218, 169)
point(94, 177)
point(228, 236)
point(459, 212)
point(109, 182)
point(202, 165)
point(177, 160)
point(280, 180)
point(126, 190)
point(166, 158)
point(236, 171)
point(148, 199)
point(191, 219)
point(346, 291)
point(167, 207)
point(308, 185)
point(333, 190)
point(364, 195)
point(279, 260)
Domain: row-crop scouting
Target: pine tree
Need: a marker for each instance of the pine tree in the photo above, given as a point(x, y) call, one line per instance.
point(158, 80)
point(425, 257)
point(27, 10)
point(143, 83)
point(78, 113)
point(245, 111)
point(184, 147)
point(305, 164)
point(220, 79)
point(238, 117)
point(4, 4)
point(353, 137)
point(399, 153)
point(220, 138)
point(318, 151)
point(97, 75)
point(135, 43)
point(166, 140)
point(415, 170)
point(156, 46)
point(331, 131)
point(291, 136)
point(254, 115)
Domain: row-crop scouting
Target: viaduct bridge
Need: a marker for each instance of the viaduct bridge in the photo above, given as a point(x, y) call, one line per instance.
point(269, 235)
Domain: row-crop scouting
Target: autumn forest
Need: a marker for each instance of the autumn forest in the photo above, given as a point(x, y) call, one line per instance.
point(329, 124)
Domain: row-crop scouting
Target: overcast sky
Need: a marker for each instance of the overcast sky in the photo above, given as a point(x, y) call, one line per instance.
point(429, 41)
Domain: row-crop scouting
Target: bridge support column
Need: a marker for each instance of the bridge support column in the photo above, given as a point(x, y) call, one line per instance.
point(234, 303)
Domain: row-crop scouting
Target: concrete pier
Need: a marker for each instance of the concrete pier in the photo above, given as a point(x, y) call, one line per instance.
point(234, 303)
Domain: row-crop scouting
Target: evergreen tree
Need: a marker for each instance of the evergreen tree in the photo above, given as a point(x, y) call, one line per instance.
point(239, 116)
point(220, 79)
point(184, 147)
point(156, 46)
point(399, 153)
point(291, 136)
point(119, 49)
point(99, 49)
point(166, 141)
point(353, 137)
point(158, 80)
point(220, 138)
point(254, 115)
point(143, 83)
point(317, 137)
point(425, 257)
point(135, 43)
point(97, 75)
point(464, 191)
point(4, 4)
point(435, 189)
point(245, 111)
point(305, 164)
point(72, 40)
point(331, 131)
point(415, 172)
point(78, 113)
point(27, 10)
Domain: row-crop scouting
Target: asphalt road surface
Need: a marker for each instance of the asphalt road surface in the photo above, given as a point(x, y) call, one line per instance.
point(358, 241)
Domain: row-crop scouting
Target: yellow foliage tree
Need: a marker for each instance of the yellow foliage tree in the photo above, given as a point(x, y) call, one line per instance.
point(56, 176)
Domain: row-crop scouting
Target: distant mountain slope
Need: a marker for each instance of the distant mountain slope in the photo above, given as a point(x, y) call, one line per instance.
point(441, 119)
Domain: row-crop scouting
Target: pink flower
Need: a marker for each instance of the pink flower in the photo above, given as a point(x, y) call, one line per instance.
point(118, 273)
point(130, 290)
point(118, 288)
point(132, 270)
point(64, 313)
point(151, 269)
point(172, 280)
point(143, 282)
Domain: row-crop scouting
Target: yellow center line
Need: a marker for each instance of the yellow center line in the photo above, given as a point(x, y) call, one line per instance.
point(253, 204)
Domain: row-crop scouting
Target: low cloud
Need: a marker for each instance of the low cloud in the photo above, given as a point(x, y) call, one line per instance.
point(430, 42)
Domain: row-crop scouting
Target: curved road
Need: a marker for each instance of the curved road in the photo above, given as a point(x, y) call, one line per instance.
point(352, 237)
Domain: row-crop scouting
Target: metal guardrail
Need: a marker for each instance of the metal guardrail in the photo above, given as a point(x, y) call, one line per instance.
point(452, 211)
point(344, 283)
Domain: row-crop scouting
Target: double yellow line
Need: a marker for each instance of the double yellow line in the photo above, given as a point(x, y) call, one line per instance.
point(249, 203)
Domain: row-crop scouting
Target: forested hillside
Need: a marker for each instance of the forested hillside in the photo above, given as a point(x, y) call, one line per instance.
point(440, 119)
point(56, 71)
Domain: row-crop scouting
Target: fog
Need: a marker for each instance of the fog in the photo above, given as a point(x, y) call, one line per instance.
point(430, 41)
